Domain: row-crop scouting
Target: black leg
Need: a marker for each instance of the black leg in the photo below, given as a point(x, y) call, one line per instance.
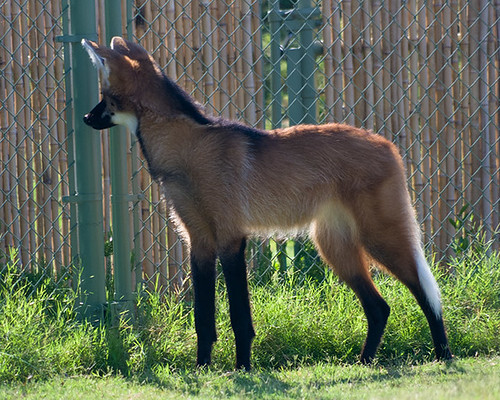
point(203, 273)
point(436, 326)
point(234, 268)
point(376, 311)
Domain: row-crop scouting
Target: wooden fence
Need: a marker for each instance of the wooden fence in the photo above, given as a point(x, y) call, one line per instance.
point(424, 74)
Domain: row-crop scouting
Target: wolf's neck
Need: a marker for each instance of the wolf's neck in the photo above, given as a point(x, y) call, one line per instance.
point(145, 152)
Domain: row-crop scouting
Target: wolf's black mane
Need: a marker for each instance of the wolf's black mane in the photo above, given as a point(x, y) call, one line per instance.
point(184, 103)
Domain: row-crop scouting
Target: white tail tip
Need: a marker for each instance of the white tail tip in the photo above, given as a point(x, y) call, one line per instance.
point(428, 283)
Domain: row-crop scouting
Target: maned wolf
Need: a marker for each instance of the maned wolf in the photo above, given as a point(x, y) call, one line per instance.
point(224, 181)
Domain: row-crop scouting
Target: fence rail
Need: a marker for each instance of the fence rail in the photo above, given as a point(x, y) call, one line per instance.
point(423, 73)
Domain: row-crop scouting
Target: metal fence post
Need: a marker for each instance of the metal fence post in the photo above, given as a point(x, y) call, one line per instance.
point(73, 213)
point(119, 187)
point(295, 85)
point(300, 23)
point(136, 264)
point(275, 28)
point(307, 63)
point(88, 163)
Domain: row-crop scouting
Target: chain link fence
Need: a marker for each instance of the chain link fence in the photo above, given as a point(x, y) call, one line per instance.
point(425, 74)
point(34, 224)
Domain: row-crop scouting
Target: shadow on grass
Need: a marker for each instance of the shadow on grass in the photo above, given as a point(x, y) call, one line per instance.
point(295, 382)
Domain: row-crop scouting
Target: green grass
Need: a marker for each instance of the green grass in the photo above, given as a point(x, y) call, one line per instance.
point(472, 378)
point(309, 336)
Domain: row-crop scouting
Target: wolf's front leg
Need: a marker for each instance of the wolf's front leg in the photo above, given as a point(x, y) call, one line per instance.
point(203, 274)
point(234, 268)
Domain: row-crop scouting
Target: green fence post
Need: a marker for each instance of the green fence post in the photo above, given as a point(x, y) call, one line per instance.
point(88, 163)
point(119, 187)
point(300, 22)
point(307, 63)
point(73, 214)
point(275, 24)
point(295, 85)
point(136, 189)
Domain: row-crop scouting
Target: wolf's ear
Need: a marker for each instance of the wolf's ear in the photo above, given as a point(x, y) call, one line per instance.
point(129, 49)
point(105, 60)
point(98, 57)
point(93, 49)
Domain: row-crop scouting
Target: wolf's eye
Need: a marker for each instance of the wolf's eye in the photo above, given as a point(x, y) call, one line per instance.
point(113, 104)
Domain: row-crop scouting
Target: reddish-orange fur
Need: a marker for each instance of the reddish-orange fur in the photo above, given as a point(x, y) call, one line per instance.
point(223, 181)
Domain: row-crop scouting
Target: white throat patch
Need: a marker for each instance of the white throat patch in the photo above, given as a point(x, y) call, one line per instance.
point(126, 119)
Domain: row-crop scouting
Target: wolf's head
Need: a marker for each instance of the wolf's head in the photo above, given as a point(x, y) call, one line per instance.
point(132, 85)
point(130, 79)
